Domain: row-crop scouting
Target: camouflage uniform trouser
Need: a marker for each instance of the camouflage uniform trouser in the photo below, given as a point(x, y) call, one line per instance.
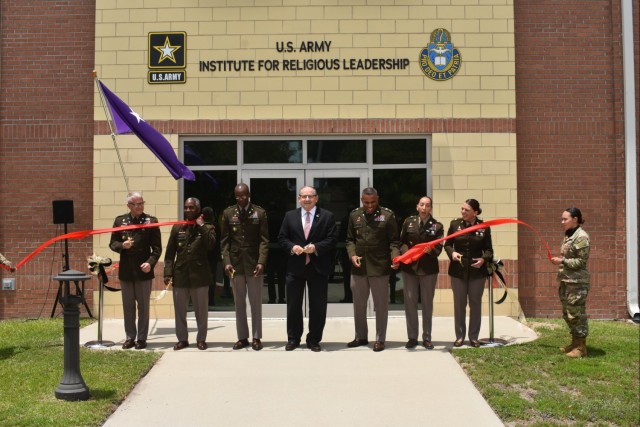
point(573, 297)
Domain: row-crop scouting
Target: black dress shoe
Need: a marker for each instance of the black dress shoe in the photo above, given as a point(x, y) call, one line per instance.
point(256, 345)
point(141, 344)
point(458, 342)
point(128, 344)
point(427, 344)
point(202, 345)
point(475, 343)
point(412, 343)
point(291, 345)
point(241, 344)
point(314, 346)
point(357, 343)
point(378, 346)
point(180, 345)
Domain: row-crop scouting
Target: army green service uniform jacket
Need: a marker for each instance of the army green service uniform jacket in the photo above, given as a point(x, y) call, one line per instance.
point(147, 246)
point(244, 238)
point(374, 238)
point(476, 244)
point(186, 257)
point(412, 234)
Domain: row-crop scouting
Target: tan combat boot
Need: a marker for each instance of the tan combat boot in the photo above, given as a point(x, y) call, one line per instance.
point(580, 350)
point(568, 348)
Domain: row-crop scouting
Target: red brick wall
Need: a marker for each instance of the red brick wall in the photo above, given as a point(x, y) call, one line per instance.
point(571, 145)
point(324, 126)
point(46, 145)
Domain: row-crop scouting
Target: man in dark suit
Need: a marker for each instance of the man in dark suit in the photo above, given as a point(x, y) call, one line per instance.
point(186, 265)
point(308, 236)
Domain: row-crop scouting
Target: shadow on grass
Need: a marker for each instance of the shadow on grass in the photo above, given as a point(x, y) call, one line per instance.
point(595, 352)
point(102, 394)
point(8, 352)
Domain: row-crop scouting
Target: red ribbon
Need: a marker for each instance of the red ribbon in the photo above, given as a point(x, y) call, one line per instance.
point(85, 233)
point(417, 251)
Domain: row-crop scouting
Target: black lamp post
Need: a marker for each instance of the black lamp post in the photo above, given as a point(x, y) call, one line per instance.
point(72, 386)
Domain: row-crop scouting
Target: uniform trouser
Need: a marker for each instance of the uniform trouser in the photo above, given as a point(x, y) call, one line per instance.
point(379, 287)
point(200, 299)
point(136, 293)
point(427, 286)
point(242, 286)
point(317, 285)
point(467, 291)
point(573, 297)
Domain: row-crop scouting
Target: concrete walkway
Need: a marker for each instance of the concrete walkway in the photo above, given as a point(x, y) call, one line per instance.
point(336, 387)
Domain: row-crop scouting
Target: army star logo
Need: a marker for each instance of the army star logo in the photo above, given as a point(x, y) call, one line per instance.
point(166, 51)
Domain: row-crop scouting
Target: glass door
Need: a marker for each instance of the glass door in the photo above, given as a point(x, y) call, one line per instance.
point(277, 193)
point(339, 192)
point(339, 167)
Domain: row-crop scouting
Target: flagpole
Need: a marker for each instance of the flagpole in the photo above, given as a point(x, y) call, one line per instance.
point(113, 134)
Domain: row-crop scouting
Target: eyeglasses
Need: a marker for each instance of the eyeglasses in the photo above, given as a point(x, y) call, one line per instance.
point(307, 196)
point(137, 205)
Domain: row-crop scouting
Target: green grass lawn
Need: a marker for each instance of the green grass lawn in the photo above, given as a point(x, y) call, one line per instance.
point(31, 366)
point(530, 384)
point(534, 384)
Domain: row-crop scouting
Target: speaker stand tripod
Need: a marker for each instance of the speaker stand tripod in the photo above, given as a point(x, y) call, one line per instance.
point(79, 291)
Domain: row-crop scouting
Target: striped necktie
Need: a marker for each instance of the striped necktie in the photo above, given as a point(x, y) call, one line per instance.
point(307, 227)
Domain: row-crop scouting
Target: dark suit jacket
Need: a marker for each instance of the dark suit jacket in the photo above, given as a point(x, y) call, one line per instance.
point(187, 255)
point(323, 234)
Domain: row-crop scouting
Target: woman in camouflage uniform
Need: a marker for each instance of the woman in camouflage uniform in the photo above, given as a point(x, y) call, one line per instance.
point(573, 277)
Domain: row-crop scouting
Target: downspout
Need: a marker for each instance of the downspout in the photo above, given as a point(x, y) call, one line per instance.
point(631, 197)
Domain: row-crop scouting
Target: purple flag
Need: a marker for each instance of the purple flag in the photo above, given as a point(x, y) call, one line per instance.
point(128, 121)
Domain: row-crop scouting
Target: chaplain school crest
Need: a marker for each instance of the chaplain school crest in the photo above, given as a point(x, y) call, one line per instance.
point(440, 60)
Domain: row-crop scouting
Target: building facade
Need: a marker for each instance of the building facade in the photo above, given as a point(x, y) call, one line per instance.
point(516, 104)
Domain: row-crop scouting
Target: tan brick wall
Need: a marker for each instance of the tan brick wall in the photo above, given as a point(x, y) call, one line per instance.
point(250, 30)
point(478, 165)
point(481, 166)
